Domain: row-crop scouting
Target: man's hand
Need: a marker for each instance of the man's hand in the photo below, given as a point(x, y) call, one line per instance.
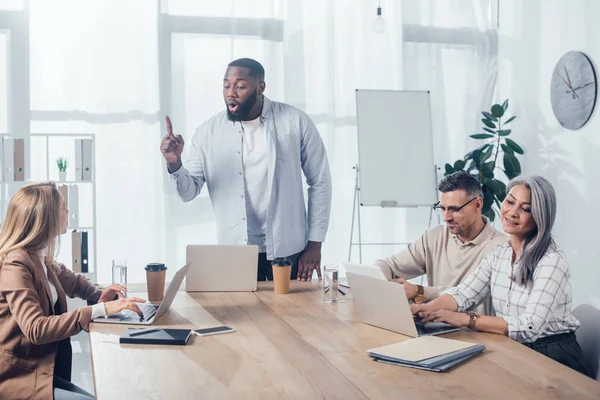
point(409, 288)
point(171, 148)
point(110, 292)
point(309, 261)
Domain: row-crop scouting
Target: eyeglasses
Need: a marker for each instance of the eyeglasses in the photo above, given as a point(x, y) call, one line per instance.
point(452, 210)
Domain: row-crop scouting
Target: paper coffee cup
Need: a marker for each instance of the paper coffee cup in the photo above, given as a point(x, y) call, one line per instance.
point(155, 280)
point(282, 270)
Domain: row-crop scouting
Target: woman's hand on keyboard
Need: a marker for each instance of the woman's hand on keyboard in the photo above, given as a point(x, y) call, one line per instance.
point(113, 307)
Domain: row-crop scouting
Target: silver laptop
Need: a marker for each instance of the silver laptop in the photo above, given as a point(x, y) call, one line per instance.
point(151, 312)
point(384, 304)
point(365, 269)
point(219, 268)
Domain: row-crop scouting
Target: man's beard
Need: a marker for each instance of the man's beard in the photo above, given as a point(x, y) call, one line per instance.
point(243, 109)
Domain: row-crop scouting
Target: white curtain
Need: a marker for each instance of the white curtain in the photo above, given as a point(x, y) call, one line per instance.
point(114, 68)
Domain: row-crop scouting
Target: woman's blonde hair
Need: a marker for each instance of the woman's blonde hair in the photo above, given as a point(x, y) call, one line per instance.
point(32, 220)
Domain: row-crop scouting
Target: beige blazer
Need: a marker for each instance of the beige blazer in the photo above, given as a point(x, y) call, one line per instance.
point(29, 328)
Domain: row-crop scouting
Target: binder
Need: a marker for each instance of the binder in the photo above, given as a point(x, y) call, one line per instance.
point(19, 159)
point(76, 250)
point(8, 154)
point(73, 206)
point(178, 337)
point(78, 159)
point(64, 191)
point(86, 159)
point(84, 252)
point(427, 352)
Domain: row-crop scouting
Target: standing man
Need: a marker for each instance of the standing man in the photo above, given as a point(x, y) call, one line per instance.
point(446, 254)
point(251, 157)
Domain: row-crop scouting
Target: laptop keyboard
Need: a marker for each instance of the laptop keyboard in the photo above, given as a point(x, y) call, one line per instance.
point(431, 327)
point(149, 310)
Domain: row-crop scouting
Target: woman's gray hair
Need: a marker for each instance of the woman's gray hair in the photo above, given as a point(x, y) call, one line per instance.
point(543, 211)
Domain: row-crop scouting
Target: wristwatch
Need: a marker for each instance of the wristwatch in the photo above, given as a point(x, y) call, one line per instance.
point(472, 319)
point(420, 296)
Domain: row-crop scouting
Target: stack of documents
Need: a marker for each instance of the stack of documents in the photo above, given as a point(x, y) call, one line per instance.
point(430, 353)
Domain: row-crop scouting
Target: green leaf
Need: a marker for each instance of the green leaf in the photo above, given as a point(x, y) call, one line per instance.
point(488, 199)
point(487, 169)
point(482, 136)
point(504, 132)
point(490, 214)
point(459, 165)
point(497, 110)
point(505, 104)
point(512, 167)
point(501, 194)
point(449, 169)
point(511, 143)
point(489, 130)
point(489, 116)
point(488, 123)
point(507, 149)
point(476, 157)
point(486, 153)
point(493, 185)
point(510, 119)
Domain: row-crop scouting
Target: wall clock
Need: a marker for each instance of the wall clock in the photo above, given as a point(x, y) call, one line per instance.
point(573, 90)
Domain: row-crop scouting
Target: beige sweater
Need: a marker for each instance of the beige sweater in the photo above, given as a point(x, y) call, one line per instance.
point(442, 256)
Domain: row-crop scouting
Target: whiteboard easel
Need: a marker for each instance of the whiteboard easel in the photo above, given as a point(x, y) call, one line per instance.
point(395, 148)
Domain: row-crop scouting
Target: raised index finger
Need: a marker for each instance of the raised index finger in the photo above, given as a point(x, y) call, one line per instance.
point(169, 125)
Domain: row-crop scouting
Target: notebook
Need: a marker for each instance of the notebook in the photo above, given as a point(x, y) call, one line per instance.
point(178, 337)
point(427, 352)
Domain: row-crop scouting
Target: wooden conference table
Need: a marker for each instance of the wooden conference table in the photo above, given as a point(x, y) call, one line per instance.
point(296, 346)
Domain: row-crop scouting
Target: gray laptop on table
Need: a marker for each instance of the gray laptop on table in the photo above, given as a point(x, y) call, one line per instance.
point(384, 304)
point(151, 312)
point(222, 268)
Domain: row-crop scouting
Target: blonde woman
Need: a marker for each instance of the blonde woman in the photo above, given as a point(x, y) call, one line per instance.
point(528, 279)
point(35, 327)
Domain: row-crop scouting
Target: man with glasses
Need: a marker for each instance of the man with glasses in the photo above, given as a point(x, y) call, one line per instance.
point(446, 254)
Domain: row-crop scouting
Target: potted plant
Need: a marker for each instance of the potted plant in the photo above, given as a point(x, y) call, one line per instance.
point(61, 163)
point(481, 162)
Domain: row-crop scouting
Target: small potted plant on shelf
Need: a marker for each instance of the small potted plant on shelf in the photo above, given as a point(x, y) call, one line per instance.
point(61, 163)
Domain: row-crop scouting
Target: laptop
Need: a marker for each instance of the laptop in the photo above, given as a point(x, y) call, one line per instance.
point(151, 312)
point(365, 269)
point(222, 268)
point(384, 304)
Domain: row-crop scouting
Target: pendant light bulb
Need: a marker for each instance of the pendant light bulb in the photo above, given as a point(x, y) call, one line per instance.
point(379, 22)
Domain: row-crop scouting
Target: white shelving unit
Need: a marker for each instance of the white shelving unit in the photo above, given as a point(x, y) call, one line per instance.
point(41, 150)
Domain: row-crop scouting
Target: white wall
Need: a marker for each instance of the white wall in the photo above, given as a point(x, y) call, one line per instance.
point(534, 34)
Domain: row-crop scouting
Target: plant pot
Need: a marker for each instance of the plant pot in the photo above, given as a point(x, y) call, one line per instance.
point(62, 176)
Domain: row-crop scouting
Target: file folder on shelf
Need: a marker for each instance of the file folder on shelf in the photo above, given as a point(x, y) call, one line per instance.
point(8, 155)
point(76, 250)
point(80, 251)
point(83, 159)
point(73, 206)
point(19, 159)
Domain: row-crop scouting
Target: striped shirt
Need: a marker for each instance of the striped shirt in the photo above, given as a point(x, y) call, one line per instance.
point(538, 309)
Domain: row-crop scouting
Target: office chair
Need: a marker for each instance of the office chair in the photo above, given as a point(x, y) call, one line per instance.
point(588, 337)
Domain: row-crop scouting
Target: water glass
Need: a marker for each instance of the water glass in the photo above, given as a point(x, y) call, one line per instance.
point(119, 272)
point(330, 283)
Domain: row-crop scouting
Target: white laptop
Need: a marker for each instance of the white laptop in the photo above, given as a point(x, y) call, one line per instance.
point(220, 268)
point(384, 304)
point(151, 312)
point(364, 269)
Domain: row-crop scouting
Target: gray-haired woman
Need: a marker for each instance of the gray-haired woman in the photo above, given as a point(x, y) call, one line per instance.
point(528, 279)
